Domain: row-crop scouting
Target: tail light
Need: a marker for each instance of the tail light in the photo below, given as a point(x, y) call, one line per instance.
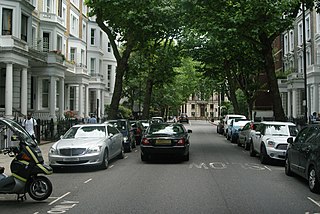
point(145, 141)
point(181, 142)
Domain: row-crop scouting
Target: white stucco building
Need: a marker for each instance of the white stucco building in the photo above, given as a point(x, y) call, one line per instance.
point(53, 59)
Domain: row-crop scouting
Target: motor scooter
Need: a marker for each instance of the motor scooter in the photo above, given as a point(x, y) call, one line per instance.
point(25, 167)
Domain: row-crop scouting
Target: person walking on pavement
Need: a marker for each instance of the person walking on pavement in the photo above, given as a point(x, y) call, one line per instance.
point(29, 124)
point(92, 119)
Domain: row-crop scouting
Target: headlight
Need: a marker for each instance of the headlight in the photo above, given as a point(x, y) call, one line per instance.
point(53, 151)
point(125, 138)
point(95, 149)
point(271, 143)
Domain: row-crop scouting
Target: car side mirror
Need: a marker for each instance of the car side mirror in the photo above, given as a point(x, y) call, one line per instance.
point(189, 131)
point(290, 140)
point(110, 135)
point(258, 133)
point(239, 130)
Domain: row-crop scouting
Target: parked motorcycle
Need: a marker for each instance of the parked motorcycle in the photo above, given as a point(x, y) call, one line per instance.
point(26, 166)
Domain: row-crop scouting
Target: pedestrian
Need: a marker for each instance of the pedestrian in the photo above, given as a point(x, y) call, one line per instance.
point(92, 119)
point(313, 118)
point(29, 124)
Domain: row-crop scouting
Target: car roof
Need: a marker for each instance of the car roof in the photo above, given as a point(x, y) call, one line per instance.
point(90, 124)
point(241, 122)
point(277, 123)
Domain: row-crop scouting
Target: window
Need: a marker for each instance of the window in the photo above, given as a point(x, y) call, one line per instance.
point(109, 71)
point(57, 93)
point(46, 39)
point(291, 39)
point(84, 32)
point(300, 34)
point(108, 89)
point(101, 39)
point(308, 57)
point(45, 93)
point(24, 27)
point(82, 57)
point(92, 66)
point(72, 97)
point(93, 31)
point(59, 43)
point(47, 7)
point(286, 49)
point(73, 54)
point(6, 21)
point(109, 47)
point(60, 8)
point(193, 106)
point(308, 28)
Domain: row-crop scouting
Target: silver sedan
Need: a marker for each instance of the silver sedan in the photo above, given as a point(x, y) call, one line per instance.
point(87, 145)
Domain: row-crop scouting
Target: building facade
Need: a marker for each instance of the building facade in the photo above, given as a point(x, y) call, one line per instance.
point(293, 87)
point(54, 59)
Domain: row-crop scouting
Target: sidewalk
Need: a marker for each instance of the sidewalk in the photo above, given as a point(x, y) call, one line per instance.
point(5, 160)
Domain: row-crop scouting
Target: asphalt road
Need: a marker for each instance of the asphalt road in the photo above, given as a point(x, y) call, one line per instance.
point(219, 178)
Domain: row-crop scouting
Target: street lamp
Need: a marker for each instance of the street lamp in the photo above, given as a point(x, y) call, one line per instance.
point(304, 63)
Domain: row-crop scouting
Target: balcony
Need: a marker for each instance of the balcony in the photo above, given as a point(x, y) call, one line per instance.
point(96, 77)
point(13, 42)
point(295, 76)
point(51, 17)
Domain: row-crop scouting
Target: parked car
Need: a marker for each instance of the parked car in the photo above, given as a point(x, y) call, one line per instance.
point(158, 119)
point(183, 118)
point(235, 125)
point(227, 120)
point(220, 127)
point(245, 134)
point(165, 138)
point(145, 124)
point(124, 127)
point(270, 140)
point(303, 156)
point(137, 130)
point(87, 145)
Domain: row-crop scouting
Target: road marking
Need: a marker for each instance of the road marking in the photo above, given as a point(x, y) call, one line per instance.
point(87, 181)
point(125, 157)
point(315, 202)
point(111, 166)
point(61, 197)
point(267, 168)
point(135, 150)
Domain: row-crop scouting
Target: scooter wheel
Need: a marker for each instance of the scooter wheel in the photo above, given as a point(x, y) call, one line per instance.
point(39, 188)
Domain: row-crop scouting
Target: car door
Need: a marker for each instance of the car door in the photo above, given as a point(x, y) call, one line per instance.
point(256, 139)
point(294, 150)
point(307, 147)
point(112, 141)
point(243, 133)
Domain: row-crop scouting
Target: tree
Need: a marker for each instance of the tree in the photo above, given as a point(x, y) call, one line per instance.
point(131, 23)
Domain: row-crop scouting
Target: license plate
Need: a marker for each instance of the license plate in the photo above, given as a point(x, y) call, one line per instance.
point(165, 142)
point(70, 159)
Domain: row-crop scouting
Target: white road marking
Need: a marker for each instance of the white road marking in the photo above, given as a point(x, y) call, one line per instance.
point(135, 150)
point(59, 198)
point(315, 202)
point(125, 157)
point(268, 168)
point(111, 166)
point(87, 181)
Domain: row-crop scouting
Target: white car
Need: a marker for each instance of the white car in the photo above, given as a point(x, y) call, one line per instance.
point(227, 120)
point(270, 140)
point(87, 145)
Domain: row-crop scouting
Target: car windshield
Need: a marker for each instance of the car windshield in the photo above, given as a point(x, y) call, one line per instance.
point(85, 132)
point(277, 130)
point(165, 129)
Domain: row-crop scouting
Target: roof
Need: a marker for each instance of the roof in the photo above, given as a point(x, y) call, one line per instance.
point(277, 123)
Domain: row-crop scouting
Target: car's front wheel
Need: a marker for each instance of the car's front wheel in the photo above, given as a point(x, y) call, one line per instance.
point(105, 162)
point(287, 168)
point(252, 152)
point(264, 158)
point(121, 154)
point(313, 180)
point(143, 157)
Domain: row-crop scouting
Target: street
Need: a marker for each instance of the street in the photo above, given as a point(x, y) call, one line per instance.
point(219, 178)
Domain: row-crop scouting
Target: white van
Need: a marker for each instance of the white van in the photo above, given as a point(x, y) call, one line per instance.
point(227, 120)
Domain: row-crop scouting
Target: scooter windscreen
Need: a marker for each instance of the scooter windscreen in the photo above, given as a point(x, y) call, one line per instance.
point(18, 130)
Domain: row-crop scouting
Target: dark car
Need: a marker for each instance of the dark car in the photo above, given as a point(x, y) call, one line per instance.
point(303, 156)
point(183, 118)
point(165, 139)
point(137, 129)
point(124, 127)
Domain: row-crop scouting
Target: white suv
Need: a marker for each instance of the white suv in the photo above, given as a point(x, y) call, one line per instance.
point(270, 140)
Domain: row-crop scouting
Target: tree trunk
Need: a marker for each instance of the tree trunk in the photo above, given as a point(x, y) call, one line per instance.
point(147, 99)
point(232, 89)
point(272, 79)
